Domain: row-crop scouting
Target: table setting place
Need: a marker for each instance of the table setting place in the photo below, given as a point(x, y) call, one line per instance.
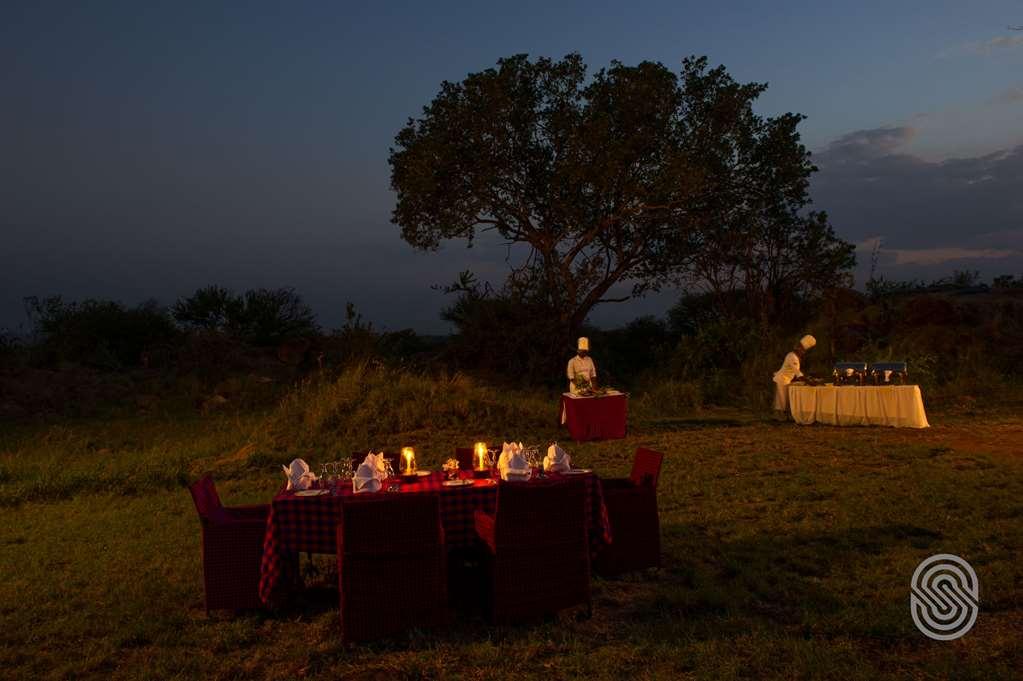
point(514, 462)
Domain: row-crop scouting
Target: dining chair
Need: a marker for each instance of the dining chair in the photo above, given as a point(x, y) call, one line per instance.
point(466, 458)
point(232, 549)
point(537, 554)
point(391, 564)
point(632, 514)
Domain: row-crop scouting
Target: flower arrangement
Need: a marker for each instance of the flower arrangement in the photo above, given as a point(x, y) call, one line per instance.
point(450, 469)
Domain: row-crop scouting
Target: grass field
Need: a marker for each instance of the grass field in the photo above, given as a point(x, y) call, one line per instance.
point(787, 551)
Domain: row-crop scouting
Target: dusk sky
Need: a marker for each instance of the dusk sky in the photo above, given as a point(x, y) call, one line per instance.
point(148, 149)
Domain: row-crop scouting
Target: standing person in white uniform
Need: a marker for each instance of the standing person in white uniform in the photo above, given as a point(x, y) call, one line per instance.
point(788, 373)
point(581, 365)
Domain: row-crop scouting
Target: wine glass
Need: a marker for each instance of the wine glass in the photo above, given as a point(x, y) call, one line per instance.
point(388, 469)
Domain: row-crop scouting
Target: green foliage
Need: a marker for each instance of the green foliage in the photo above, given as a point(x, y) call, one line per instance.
point(212, 308)
point(274, 315)
point(504, 336)
point(632, 175)
point(368, 404)
point(261, 317)
point(1007, 282)
point(99, 333)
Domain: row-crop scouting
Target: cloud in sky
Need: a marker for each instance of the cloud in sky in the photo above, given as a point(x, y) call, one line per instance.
point(862, 145)
point(983, 47)
point(967, 211)
point(929, 256)
point(1012, 95)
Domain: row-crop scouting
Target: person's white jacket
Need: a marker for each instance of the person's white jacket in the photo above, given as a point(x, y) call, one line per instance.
point(782, 377)
point(580, 365)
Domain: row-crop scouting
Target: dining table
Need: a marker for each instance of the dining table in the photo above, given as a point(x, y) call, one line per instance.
point(595, 417)
point(899, 406)
point(300, 523)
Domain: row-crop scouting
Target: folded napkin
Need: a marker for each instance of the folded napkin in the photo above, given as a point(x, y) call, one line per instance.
point(557, 460)
point(366, 478)
point(508, 450)
point(516, 468)
point(377, 464)
point(299, 476)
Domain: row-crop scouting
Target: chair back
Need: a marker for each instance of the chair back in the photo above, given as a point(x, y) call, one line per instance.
point(537, 514)
point(206, 499)
point(398, 524)
point(646, 467)
point(465, 456)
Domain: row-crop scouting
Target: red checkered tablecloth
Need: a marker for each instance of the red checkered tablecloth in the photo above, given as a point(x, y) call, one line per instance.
point(309, 524)
point(595, 418)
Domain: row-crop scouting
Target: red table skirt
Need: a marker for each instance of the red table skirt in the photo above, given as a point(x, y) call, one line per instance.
point(309, 524)
point(595, 418)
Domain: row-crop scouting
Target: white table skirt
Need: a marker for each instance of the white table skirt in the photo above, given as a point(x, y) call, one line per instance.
point(901, 406)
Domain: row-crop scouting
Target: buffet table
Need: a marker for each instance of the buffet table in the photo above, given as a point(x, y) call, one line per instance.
point(597, 417)
point(901, 406)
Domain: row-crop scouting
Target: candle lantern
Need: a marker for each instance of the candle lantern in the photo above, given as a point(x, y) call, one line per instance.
point(481, 460)
point(409, 455)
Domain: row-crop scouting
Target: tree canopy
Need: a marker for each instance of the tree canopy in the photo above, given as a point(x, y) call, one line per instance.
point(616, 184)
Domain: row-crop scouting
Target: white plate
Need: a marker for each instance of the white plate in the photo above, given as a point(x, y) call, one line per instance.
point(422, 474)
point(578, 471)
point(456, 483)
point(311, 492)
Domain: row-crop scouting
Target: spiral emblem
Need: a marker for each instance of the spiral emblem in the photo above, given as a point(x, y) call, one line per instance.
point(944, 597)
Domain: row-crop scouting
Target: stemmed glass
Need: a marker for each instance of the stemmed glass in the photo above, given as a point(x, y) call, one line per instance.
point(533, 456)
point(388, 469)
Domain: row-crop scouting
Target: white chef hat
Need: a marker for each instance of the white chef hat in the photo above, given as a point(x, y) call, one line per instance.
point(807, 342)
point(584, 343)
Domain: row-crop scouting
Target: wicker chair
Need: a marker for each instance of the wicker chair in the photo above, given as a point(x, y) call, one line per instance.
point(537, 556)
point(391, 564)
point(632, 512)
point(232, 548)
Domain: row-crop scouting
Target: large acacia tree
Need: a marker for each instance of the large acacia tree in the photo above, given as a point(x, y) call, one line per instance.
point(615, 183)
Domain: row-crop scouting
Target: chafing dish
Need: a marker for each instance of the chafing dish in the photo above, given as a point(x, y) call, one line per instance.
point(887, 373)
point(849, 373)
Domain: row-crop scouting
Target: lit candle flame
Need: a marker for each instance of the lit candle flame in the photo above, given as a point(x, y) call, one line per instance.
point(410, 457)
point(481, 454)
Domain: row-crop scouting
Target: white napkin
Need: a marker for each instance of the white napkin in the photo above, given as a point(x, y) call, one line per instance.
point(365, 478)
point(557, 460)
point(299, 476)
point(508, 450)
point(377, 464)
point(516, 468)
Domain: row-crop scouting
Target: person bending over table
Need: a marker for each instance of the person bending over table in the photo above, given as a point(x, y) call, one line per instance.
point(582, 372)
point(790, 373)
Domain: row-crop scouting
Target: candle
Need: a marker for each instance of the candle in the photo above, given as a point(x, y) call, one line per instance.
point(410, 459)
point(481, 455)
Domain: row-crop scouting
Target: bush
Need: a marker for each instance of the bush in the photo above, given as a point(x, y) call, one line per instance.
point(97, 333)
point(212, 308)
point(262, 317)
point(369, 402)
point(506, 338)
point(271, 316)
